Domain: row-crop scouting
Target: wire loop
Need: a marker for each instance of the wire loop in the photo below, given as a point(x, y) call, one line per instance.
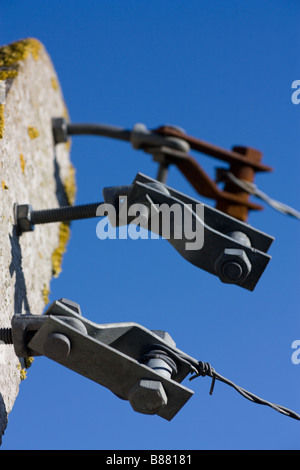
point(251, 188)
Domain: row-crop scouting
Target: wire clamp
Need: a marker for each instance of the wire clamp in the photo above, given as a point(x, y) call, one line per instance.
point(222, 245)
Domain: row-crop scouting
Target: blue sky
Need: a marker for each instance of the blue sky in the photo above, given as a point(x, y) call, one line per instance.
point(222, 71)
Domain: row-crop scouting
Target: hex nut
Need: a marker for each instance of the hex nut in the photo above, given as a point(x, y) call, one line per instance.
point(165, 336)
point(60, 131)
point(72, 305)
point(233, 266)
point(147, 397)
point(23, 217)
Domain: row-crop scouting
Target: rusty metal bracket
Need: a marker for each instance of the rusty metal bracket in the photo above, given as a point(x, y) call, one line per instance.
point(232, 157)
point(171, 145)
point(244, 163)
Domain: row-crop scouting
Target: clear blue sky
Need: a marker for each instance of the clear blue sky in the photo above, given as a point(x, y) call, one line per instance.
point(223, 72)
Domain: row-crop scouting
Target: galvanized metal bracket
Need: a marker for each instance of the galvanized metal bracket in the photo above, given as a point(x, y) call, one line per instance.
point(230, 249)
point(109, 354)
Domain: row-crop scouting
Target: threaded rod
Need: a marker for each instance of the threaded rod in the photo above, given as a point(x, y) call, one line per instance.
point(67, 213)
point(98, 129)
point(6, 335)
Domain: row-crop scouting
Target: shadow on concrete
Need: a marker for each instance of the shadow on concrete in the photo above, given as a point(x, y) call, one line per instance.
point(4, 420)
point(20, 293)
point(60, 190)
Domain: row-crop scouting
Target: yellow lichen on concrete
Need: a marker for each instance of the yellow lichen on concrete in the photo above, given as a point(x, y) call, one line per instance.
point(45, 293)
point(57, 255)
point(23, 372)
point(10, 55)
point(28, 361)
point(70, 185)
point(66, 113)
point(33, 132)
point(54, 83)
point(1, 120)
point(68, 145)
point(19, 50)
point(22, 162)
point(9, 73)
point(64, 227)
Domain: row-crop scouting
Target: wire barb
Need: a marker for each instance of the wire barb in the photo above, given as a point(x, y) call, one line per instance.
point(202, 369)
point(205, 369)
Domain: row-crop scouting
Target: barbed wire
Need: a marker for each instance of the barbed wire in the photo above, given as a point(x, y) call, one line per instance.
point(251, 188)
point(201, 369)
point(204, 368)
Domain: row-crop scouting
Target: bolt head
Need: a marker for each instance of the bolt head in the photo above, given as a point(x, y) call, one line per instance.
point(148, 397)
point(232, 270)
point(23, 217)
point(233, 266)
point(72, 305)
point(57, 346)
point(59, 128)
point(165, 336)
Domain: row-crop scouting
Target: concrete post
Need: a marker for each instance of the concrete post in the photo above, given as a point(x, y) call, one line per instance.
point(32, 171)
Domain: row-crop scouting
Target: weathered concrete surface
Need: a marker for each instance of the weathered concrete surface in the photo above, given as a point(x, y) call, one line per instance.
point(32, 171)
